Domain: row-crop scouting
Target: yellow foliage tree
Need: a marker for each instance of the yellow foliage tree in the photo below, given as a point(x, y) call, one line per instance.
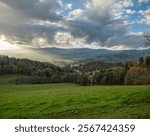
point(137, 75)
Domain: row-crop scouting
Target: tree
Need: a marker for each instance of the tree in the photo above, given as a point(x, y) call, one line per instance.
point(119, 76)
point(129, 64)
point(137, 75)
point(141, 60)
point(147, 60)
point(98, 77)
point(48, 72)
point(84, 79)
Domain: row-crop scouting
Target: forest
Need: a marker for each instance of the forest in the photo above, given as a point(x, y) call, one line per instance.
point(92, 73)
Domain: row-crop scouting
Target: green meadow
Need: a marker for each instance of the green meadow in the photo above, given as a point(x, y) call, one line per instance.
point(69, 101)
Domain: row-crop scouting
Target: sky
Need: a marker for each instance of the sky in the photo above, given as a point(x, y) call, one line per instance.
point(106, 24)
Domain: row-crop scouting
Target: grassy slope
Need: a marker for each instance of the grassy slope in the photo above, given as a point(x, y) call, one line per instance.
point(74, 101)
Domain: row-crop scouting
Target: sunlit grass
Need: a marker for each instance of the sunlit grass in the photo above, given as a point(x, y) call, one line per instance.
point(74, 101)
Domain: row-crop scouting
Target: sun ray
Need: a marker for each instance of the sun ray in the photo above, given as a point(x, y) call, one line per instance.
point(5, 45)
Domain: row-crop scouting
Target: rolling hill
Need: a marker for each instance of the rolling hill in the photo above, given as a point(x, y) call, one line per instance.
point(59, 56)
point(83, 55)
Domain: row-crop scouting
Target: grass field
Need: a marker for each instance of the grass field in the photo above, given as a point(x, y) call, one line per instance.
point(73, 101)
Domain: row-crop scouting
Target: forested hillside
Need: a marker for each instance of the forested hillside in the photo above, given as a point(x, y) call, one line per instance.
point(92, 73)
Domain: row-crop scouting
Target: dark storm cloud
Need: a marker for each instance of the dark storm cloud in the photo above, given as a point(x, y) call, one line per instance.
point(36, 9)
point(25, 33)
point(95, 21)
point(94, 32)
point(19, 19)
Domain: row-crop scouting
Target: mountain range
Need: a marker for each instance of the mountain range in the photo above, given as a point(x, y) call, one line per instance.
point(83, 55)
point(60, 56)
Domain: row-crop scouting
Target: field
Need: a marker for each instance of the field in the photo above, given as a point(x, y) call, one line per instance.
point(72, 101)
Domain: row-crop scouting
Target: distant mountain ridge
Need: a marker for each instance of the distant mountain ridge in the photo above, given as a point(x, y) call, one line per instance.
point(83, 55)
point(61, 57)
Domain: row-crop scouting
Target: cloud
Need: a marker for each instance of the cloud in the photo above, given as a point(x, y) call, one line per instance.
point(77, 13)
point(47, 23)
point(63, 39)
point(129, 11)
point(8, 14)
point(5, 45)
point(68, 6)
point(21, 20)
point(145, 1)
point(36, 9)
point(96, 22)
point(146, 17)
point(27, 33)
point(127, 3)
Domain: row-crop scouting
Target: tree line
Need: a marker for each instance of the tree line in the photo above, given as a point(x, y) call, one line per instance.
point(92, 73)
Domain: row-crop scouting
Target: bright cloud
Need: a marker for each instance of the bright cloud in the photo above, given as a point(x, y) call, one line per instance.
point(129, 11)
point(5, 45)
point(86, 23)
point(127, 3)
